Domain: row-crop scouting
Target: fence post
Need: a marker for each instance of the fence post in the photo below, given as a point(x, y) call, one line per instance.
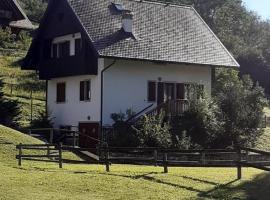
point(74, 139)
point(20, 155)
point(165, 162)
point(60, 156)
point(107, 163)
point(239, 159)
point(247, 155)
point(51, 136)
point(203, 158)
point(155, 157)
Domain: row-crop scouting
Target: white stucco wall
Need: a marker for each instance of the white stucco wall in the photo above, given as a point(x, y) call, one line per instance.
point(73, 110)
point(125, 84)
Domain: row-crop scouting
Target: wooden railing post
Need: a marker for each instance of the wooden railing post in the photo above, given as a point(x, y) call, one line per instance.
point(165, 162)
point(203, 158)
point(60, 156)
point(74, 139)
point(247, 156)
point(239, 159)
point(155, 157)
point(20, 155)
point(51, 136)
point(107, 163)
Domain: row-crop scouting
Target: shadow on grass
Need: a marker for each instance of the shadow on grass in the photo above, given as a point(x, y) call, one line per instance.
point(3, 141)
point(255, 189)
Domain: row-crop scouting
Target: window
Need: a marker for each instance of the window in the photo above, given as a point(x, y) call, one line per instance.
point(61, 92)
point(85, 90)
point(54, 50)
point(78, 46)
point(151, 91)
point(64, 49)
point(180, 91)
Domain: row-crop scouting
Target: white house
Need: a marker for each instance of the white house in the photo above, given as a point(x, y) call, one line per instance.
point(103, 56)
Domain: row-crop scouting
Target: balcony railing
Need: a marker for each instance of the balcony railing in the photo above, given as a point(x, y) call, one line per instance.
point(170, 108)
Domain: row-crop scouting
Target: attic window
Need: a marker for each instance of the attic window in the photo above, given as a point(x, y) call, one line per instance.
point(119, 7)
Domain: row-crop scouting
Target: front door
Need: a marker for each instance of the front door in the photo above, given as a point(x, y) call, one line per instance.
point(169, 92)
point(91, 130)
point(166, 92)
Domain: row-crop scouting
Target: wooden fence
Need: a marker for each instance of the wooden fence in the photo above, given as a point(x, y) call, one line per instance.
point(37, 157)
point(238, 157)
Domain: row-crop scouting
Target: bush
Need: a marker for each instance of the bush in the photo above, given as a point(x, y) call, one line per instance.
point(200, 124)
point(154, 132)
point(43, 121)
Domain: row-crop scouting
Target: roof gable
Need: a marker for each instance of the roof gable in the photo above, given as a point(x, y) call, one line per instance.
point(18, 18)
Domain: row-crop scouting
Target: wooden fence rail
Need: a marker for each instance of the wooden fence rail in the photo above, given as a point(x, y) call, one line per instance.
point(238, 157)
point(40, 147)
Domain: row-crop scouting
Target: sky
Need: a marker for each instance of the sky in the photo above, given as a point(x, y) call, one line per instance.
point(262, 7)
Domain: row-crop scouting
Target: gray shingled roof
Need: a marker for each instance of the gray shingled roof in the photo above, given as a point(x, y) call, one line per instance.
point(163, 33)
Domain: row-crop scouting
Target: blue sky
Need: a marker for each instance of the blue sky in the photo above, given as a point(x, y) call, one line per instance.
point(262, 7)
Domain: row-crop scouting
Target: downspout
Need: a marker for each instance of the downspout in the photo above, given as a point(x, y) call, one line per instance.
point(101, 107)
point(46, 96)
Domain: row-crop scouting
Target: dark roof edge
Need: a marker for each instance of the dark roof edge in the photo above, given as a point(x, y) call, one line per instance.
point(169, 62)
point(21, 10)
point(164, 4)
point(83, 28)
point(237, 64)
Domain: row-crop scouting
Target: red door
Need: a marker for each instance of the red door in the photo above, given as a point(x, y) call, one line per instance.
point(91, 130)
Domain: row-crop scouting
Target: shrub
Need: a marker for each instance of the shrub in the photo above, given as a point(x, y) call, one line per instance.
point(154, 132)
point(200, 124)
point(43, 121)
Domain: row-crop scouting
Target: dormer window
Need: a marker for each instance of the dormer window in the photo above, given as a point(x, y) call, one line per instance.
point(118, 7)
point(78, 46)
point(64, 49)
point(65, 46)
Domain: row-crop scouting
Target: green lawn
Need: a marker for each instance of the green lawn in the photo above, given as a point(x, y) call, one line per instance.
point(37, 180)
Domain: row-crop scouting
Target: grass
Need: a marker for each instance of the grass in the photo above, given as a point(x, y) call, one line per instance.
point(263, 142)
point(38, 180)
point(18, 85)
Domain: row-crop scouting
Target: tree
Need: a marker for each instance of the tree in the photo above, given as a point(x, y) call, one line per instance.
point(9, 110)
point(241, 103)
point(34, 9)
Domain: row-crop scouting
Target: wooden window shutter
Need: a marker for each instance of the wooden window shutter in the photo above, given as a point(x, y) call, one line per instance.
point(54, 50)
point(151, 91)
point(78, 46)
point(180, 91)
point(87, 91)
point(61, 92)
point(82, 91)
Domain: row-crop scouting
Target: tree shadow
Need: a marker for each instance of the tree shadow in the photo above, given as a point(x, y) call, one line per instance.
point(255, 189)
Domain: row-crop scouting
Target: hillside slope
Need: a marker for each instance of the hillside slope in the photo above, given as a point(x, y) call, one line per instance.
point(19, 85)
